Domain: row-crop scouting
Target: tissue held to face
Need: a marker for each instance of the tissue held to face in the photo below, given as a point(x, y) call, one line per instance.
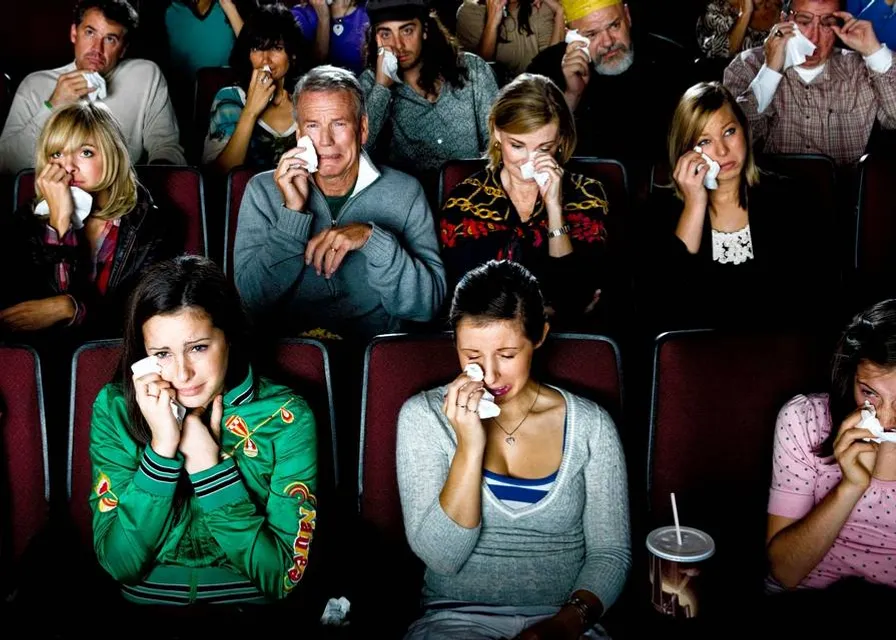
point(877, 385)
point(330, 120)
point(276, 58)
point(724, 140)
point(609, 30)
point(193, 354)
point(99, 43)
point(811, 16)
point(518, 148)
point(84, 163)
point(405, 38)
point(503, 351)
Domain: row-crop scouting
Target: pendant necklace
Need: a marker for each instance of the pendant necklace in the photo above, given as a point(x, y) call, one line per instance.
point(509, 439)
point(338, 28)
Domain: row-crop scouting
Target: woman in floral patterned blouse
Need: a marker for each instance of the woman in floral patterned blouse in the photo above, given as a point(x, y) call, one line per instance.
point(554, 223)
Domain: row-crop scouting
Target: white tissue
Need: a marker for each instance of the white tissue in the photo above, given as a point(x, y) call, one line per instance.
point(83, 204)
point(390, 64)
point(487, 407)
point(335, 612)
point(572, 35)
point(529, 173)
point(870, 422)
point(309, 155)
point(96, 80)
point(150, 364)
point(798, 49)
point(266, 68)
point(709, 178)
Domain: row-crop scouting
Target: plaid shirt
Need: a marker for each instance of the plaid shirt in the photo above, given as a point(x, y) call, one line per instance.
point(833, 115)
point(69, 239)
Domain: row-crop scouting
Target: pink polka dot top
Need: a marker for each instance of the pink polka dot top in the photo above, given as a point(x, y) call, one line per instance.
point(866, 546)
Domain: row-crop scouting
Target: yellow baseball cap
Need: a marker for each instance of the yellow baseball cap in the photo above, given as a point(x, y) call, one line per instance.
point(575, 9)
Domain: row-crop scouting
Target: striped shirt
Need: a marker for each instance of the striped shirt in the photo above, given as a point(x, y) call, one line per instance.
point(517, 493)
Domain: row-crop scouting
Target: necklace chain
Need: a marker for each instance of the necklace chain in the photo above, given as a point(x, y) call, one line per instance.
point(509, 439)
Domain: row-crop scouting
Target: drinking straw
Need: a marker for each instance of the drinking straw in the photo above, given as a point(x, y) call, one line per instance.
point(675, 515)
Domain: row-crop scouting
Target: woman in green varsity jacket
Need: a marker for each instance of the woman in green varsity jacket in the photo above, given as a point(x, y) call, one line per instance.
point(218, 507)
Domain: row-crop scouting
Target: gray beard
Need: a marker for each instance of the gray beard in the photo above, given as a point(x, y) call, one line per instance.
point(619, 66)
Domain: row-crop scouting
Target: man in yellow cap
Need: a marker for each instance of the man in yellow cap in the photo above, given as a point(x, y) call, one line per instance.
point(609, 84)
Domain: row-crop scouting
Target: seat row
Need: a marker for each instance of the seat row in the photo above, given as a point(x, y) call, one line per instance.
point(707, 436)
point(865, 221)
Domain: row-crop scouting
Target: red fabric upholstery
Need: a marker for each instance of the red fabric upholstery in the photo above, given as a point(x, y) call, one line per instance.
point(876, 219)
point(715, 400)
point(237, 180)
point(179, 189)
point(94, 365)
point(25, 491)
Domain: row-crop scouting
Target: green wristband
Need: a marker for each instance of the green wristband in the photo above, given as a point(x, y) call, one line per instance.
point(48, 105)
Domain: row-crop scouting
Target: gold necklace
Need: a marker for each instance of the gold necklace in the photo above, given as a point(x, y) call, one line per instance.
point(509, 439)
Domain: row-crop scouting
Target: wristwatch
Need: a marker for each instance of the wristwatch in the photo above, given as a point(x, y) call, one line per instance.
point(559, 231)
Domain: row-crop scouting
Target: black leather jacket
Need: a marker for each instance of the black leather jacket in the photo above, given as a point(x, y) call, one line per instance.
point(147, 235)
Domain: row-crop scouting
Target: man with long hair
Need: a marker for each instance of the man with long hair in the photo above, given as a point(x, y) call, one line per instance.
point(437, 100)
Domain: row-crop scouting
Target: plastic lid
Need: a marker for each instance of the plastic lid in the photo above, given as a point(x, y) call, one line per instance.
point(695, 545)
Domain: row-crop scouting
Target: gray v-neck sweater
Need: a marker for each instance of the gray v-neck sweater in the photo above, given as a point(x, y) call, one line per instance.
point(576, 537)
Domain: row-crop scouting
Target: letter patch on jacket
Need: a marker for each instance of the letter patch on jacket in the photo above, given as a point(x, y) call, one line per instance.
point(302, 543)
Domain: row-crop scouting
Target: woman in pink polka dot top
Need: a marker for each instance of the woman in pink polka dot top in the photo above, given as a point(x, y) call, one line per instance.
point(832, 504)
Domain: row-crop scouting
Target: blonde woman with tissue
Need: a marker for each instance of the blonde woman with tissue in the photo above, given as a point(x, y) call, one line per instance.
point(525, 207)
point(73, 254)
point(521, 518)
point(832, 522)
point(204, 472)
point(732, 244)
point(252, 123)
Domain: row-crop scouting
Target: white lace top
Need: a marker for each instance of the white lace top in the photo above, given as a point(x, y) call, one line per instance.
point(735, 247)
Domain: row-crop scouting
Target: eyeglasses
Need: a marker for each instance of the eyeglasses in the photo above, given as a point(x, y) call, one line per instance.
point(806, 18)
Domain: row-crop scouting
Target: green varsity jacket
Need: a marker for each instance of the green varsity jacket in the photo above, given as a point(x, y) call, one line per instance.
point(246, 531)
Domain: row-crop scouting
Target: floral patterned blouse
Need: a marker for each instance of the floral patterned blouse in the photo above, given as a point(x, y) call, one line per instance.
point(479, 223)
point(714, 26)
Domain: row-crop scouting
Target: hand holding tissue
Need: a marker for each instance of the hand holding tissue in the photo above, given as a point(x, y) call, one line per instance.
point(572, 35)
point(870, 422)
point(487, 407)
point(709, 178)
point(150, 364)
point(798, 48)
point(309, 155)
point(529, 173)
point(94, 79)
point(390, 64)
point(83, 205)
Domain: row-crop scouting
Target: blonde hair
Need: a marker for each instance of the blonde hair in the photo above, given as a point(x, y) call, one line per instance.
point(696, 107)
point(75, 124)
point(527, 104)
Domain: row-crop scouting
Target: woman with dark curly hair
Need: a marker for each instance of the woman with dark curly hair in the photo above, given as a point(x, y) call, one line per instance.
point(252, 122)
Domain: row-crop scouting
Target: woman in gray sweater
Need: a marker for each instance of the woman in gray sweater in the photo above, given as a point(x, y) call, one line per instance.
point(521, 519)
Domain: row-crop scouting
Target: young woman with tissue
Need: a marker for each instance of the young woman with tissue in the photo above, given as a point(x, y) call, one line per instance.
point(511, 32)
point(252, 123)
point(731, 244)
point(74, 253)
point(525, 207)
point(538, 490)
point(218, 507)
point(833, 488)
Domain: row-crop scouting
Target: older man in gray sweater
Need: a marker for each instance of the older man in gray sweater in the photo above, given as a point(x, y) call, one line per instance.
point(350, 249)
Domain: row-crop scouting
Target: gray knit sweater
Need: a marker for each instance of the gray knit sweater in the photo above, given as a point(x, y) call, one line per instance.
point(576, 537)
point(425, 134)
point(397, 275)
